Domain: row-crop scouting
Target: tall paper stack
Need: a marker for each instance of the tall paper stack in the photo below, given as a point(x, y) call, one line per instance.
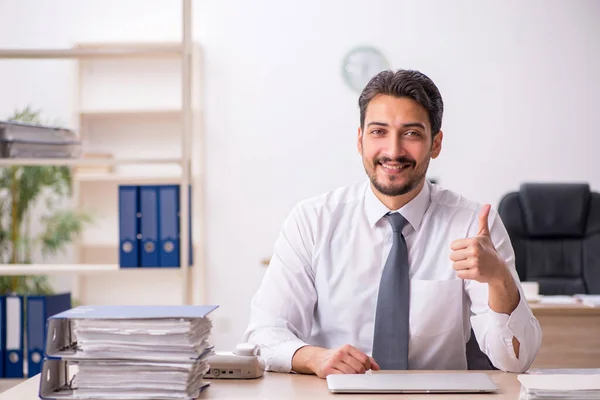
point(136, 352)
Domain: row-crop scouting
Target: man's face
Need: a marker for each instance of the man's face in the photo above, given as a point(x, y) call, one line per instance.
point(396, 144)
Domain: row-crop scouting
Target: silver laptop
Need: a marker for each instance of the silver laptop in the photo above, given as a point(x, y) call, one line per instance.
point(411, 383)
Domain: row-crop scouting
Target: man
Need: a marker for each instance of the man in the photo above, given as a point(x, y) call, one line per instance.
point(394, 273)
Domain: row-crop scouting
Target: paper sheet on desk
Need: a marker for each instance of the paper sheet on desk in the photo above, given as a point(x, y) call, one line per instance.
point(559, 300)
point(561, 382)
point(564, 371)
point(591, 300)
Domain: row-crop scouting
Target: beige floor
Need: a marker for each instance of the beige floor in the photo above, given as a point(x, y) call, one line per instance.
point(7, 383)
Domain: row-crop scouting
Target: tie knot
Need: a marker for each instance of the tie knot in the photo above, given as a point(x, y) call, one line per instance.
point(397, 221)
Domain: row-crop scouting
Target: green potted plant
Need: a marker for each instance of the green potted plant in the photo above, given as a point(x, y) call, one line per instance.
point(21, 189)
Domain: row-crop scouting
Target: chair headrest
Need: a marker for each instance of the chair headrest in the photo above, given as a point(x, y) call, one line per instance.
point(551, 209)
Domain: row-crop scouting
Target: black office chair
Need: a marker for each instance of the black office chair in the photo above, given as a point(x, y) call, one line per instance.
point(555, 232)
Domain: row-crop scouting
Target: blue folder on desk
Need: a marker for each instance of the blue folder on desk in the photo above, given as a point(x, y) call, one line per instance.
point(39, 309)
point(13, 343)
point(129, 215)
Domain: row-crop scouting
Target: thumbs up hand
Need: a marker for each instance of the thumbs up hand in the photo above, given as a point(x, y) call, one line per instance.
point(476, 257)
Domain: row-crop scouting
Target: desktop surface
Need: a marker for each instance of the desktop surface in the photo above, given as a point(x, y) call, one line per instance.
point(294, 386)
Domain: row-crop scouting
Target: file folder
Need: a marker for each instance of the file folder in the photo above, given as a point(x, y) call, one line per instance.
point(39, 309)
point(2, 334)
point(169, 225)
point(13, 360)
point(129, 216)
point(61, 342)
point(149, 226)
point(127, 352)
point(61, 381)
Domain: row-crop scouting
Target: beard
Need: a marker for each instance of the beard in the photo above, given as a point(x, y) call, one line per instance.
point(416, 175)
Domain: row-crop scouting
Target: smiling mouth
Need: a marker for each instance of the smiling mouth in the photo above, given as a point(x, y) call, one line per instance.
point(395, 167)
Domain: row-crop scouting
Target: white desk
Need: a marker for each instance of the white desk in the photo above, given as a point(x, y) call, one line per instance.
point(292, 386)
point(571, 339)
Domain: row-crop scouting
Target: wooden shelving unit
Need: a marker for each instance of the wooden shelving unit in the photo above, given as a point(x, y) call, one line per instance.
point(116, 103)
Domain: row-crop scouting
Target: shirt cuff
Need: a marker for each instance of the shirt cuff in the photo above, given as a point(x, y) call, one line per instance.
point(279, 358)
point(515, 323)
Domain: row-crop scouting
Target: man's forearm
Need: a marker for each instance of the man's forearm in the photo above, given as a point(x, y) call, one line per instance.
point(504, 295)
point(504, 298)
point(301, 361)
point(346, 359)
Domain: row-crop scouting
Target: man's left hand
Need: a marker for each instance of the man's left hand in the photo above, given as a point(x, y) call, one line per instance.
point(476, 258)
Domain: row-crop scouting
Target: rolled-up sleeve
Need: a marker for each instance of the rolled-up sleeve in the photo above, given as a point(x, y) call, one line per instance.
point(495, 331)
point(281, 311)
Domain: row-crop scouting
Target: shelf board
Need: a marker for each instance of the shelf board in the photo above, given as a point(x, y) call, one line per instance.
point(50, 269)
point(97, 51)
point(127, 179)
point(165, 112)
point(83, 161)
point(106, 245)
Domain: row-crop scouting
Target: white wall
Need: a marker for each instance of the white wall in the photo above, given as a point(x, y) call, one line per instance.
point(519, 80)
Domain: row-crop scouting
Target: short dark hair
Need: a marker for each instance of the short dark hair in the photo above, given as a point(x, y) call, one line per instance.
point(405, 83)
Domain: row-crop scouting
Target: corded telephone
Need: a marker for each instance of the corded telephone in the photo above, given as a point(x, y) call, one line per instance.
point(242, 363)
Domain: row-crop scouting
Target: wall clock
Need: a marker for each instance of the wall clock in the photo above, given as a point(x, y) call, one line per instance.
point(361, 64)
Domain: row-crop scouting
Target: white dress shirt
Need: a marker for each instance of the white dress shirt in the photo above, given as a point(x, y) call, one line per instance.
point(322, 284)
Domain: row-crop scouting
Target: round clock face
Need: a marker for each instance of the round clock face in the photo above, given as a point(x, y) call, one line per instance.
point(361, 64)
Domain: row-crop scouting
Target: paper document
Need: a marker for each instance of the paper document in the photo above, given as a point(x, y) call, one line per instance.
point(564, 371)
point(129, 353)
point(558, 300)
point(561, 382)
point(102, 378)
point(592, 300)
point(160, 340)
point(560, 386)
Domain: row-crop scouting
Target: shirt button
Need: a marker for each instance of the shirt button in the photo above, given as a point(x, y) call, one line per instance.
point(512, 325)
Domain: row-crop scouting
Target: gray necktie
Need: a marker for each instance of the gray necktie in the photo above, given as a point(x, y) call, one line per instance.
point(390, 340)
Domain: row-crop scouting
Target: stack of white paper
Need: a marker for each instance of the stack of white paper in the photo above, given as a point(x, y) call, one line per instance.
point(130, 353)
point(591, 300)
point(139, 379)
point(558, 300)
point(560, 386)
point(141, 359)
point(160, 340)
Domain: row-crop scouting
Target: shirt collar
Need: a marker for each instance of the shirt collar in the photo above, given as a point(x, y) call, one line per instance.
point(413, 211)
